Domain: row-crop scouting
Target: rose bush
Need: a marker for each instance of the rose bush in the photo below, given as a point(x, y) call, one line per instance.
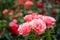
point(28, 19)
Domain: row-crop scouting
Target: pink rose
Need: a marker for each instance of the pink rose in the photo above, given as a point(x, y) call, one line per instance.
point(39, 17)
point(5, 11)
point(38, 26)
point(14, 20)
point(11, 24)
point(28, 4)
point(24, 29)
point(28, 18)
point(50, 21)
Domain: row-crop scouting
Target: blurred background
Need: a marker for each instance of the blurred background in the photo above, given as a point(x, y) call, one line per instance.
point(17, 9)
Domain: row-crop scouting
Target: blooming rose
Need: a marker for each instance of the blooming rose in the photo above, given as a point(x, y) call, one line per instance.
point(30, 17)
point(38, 26)
point(50, 21)
point(28, 4)
point(24, 29)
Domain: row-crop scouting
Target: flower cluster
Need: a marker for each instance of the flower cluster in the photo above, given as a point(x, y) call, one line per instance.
point(38, 23)
point(14, 27)
point(50, 21)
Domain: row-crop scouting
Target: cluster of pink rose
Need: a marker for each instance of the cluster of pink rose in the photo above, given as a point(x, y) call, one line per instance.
point(37, 23)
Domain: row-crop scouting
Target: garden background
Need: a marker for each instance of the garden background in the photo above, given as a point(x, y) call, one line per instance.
point(17, 9)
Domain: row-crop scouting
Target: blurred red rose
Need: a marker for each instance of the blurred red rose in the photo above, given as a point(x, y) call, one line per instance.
point(40, 5)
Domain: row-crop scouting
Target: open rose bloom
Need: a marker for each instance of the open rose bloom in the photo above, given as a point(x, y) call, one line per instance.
point(24, 29)
point(38, 26)
point(50, 22)
point(30, 17)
